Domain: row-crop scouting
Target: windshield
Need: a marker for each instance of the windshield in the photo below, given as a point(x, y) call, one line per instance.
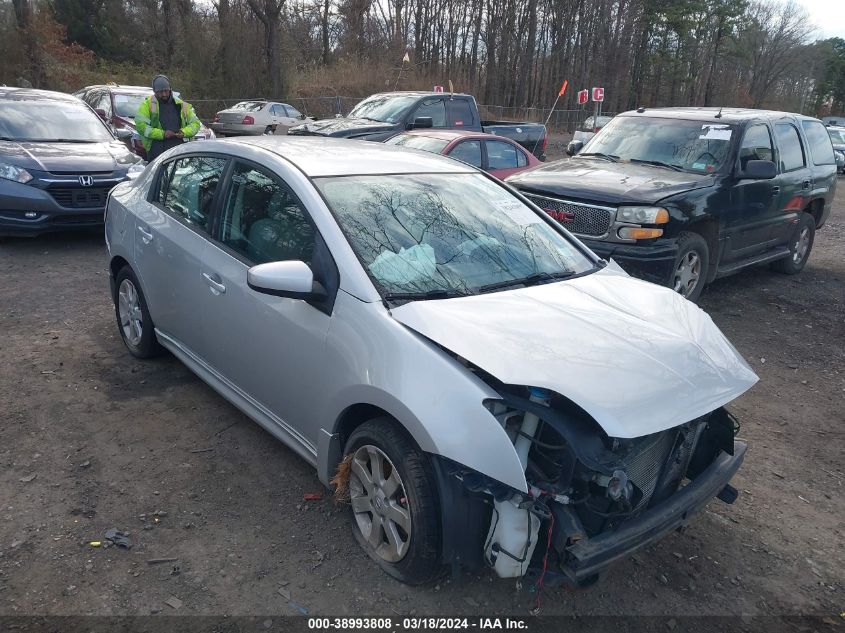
point(696, 146)
point(385, 108)
point(51, 121)
point(837, 136)
point(415, 141)
point(127, 105)
point(454, 234)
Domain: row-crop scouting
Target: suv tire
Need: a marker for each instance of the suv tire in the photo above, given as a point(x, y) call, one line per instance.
point(800, 245)
point(689, 272)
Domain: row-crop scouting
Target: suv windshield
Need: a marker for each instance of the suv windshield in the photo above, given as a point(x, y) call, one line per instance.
point(386, 108)
point(438, 235)
point(51, 121)
point(696, 146)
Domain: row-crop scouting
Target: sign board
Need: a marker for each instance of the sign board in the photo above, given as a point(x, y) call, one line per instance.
point(438, 88)
point(583, 96)
point(598, 94)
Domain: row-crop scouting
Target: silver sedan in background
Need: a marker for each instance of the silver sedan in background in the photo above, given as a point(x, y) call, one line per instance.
point(469, 377)
point(257, 117)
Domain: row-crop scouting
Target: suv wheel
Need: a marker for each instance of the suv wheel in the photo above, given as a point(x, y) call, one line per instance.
point(800, 245)
point(691, 264)
point(133, 318)
point(393, 495)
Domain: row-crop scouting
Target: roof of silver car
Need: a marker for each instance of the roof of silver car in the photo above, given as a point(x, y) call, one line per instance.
point(318, 156)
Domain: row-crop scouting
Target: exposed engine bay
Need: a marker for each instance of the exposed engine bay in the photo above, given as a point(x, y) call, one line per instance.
point(584, 486)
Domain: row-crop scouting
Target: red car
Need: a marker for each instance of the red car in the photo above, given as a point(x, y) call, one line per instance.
point(499, 156)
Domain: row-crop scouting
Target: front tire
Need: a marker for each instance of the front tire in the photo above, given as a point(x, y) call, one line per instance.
point(133, 317)
point(393, 493)
point(691, 264)
point(800, 245)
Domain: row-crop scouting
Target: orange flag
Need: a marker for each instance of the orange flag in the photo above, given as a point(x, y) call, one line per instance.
point(563, 88)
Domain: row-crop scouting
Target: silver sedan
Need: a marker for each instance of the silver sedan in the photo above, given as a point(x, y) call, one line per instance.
point(477, 385)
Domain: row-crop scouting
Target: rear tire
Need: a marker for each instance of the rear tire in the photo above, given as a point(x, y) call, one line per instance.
point(691, 265)
point(393, 492)
point(133, 317)
point(800, 245)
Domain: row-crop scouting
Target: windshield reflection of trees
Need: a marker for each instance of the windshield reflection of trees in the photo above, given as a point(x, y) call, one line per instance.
point(475, 246)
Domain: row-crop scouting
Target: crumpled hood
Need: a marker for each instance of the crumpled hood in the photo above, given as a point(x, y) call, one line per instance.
point(637, 357)
point(67, 157)
point(603, 181)
point(342, 127)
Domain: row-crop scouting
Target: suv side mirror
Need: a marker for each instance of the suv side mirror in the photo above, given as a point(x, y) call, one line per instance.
point(101, 113)
point(422, 122)
point(759, 170)
point(574, 147)
point(292, 279)
point(123, 134)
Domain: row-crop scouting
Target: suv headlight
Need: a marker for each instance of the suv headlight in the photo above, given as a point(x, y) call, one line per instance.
point(14, 173)
point(642, 215)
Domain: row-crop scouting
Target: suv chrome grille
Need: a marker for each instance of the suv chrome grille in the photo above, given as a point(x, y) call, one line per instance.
point(578, 218)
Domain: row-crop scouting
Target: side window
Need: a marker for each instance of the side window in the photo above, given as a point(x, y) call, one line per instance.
point(789, 145)
point(433, 108)
point(263, 220)
point(188, 186)
point(293, 112)
point(469, 152)
point(460, 114)
point(104, 104)
point(521, 158)
point(501, 155)
point(819, 141)
point(756, 145)
point(277, 110)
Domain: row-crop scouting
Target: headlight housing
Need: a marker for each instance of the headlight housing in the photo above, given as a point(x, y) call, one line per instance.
point(14, 173)
point(642, 215)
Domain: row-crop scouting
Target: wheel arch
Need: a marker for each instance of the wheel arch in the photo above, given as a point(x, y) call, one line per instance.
point(115, 265)
point(709, 230)
point(816, 209)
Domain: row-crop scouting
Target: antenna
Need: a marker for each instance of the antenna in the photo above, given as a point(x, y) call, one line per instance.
point(719, 116)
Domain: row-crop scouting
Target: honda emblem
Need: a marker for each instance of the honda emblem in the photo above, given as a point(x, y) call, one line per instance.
point(86, 181)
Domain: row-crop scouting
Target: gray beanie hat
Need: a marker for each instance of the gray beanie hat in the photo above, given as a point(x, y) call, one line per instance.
point(160, 82)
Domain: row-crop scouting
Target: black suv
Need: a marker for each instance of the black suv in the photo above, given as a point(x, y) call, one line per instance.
point(681, 196)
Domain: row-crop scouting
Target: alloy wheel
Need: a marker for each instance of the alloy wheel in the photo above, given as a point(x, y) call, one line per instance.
point(802, 243)
point(379, 503)
point(129, 309)
point(687, 274)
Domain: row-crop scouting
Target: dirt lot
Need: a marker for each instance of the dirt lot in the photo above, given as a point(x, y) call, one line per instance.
point(92, 439)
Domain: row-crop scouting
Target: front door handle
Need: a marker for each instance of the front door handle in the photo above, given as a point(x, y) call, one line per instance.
point(775, 190)
point(215, 284)
point(146, 236)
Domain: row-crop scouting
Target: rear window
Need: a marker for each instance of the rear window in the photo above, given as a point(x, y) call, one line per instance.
point(820, 146)
point(416, 141)
point(248, 106)
point(789, 145)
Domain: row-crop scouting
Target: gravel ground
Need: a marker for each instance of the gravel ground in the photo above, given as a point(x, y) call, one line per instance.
point(92, 439)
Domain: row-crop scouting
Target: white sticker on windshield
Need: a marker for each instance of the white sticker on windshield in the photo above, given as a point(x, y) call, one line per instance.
point(716, 132)
point(517, 212)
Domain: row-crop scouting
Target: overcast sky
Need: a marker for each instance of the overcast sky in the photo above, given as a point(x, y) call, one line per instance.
point(828, 16)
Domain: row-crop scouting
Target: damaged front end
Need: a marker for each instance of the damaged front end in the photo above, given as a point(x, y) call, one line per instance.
point(592, 499)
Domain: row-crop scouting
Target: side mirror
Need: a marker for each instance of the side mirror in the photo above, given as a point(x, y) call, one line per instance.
point(101, 113)
point(123, 134)
point(302, 117)
point(574, 147)
point(759, 170)
point(422, 122)
point(292, 279)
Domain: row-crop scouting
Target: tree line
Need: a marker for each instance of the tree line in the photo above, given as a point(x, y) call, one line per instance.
point(754, 53)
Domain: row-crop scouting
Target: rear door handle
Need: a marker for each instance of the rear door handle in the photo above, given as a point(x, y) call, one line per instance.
point(775, 190)
point(146, 236)
point(214, 283)
point(805, 184)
